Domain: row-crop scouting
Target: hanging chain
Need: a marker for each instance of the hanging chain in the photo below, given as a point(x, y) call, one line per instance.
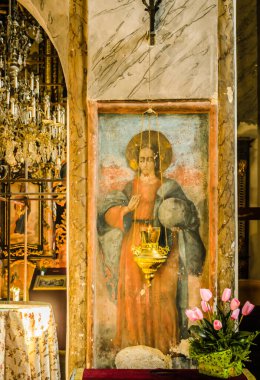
point(149, 74)
point(161, 174)
point(138, 175)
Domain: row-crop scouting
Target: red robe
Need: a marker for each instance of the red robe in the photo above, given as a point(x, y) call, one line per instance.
point(144, 317)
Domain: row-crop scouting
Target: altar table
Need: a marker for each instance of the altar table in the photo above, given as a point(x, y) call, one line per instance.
point(148, 374)
point(28, 342)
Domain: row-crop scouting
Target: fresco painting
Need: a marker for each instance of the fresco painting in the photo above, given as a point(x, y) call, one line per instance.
point(150, 170)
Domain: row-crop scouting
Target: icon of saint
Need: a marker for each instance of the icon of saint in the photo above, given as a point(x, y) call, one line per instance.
point(152, 316)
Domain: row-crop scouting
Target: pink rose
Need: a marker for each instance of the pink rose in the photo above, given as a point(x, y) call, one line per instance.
point(226, 295)
point(194, 314)
point(247, 308)
point(235, 314)
point(217, 324)
point(205, 306)
point(234, 304)
point(205, 294)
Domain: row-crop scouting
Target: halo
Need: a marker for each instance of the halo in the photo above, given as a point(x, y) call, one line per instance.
point(152, 138)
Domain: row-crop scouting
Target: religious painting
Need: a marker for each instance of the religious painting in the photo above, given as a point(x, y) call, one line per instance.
point(153, 193)
point(50, 282)
point(17, 222)
point(21, 204)
point(45, 230)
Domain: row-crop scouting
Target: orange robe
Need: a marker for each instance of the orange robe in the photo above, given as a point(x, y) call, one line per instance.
point(144, 317)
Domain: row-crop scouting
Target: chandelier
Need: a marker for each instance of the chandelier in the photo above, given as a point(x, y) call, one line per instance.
point(32, 128)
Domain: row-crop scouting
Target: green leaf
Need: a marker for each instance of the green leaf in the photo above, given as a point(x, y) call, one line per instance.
point(193, 330)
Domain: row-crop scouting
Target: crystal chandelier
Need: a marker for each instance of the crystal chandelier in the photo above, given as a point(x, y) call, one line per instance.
point(32, 129)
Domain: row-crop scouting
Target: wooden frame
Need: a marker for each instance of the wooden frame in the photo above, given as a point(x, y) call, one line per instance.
point(34, 221)
point(138, 108)
point(46, 218)
point(50, 282)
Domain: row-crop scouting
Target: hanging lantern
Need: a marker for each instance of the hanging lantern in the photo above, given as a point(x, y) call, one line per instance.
point(149, 256)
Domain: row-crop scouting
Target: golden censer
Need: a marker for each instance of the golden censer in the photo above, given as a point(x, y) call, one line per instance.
point(149, 256)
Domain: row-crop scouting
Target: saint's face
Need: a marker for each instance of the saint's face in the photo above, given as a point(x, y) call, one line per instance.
point(146, 162)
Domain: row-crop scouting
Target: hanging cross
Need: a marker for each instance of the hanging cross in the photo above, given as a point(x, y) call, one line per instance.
point(152, 8)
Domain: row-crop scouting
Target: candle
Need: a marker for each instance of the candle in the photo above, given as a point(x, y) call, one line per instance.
point(32, 81)
point(58, 113)
point(33, 108)
point(16, 294)
point(12, 106)
point(37, 89)
point(47, 106)
point(8, 97)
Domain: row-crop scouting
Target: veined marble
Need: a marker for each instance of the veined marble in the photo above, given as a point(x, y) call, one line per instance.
point(183, 62)
point(77, 215)
point(247, 61)
point(226, 265)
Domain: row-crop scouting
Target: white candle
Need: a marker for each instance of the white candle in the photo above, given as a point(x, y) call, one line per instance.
point(47, 107)
point(16, 294)
point(32, 81)
point(33, 108)
point(37, 89)
point(12, 106)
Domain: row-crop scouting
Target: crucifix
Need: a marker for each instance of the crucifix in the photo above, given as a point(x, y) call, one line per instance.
point(152, 8)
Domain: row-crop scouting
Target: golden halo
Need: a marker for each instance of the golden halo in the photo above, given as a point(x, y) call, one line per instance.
point(153, 139)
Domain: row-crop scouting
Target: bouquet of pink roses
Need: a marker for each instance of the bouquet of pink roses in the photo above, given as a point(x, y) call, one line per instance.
point(217, 329)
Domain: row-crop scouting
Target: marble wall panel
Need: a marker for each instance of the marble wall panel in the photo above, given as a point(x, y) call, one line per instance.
point(247, 61)
point(183, 62)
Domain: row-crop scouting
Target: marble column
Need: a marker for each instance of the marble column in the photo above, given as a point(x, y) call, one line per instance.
point(226, 147)
point(77, 246)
